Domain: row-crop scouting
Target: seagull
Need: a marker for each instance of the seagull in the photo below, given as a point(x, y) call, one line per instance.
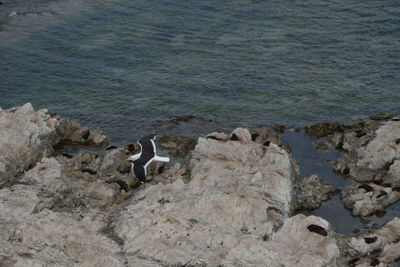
point(147, 154)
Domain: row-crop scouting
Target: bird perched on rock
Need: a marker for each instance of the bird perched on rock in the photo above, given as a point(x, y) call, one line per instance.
point(147, 154)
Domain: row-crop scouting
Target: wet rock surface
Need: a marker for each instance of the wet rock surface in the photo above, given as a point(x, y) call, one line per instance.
point(380, 247)
point(228, 201)
point(312, 192)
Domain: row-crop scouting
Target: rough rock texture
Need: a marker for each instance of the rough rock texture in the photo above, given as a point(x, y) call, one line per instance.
point(372, 160)
point(27, 135)
point(60, 189)
point(238, 190)
point(344, 136)
point(312, 192)
point(178, 146)
point(366, 199)
point(302, 241)
point(264, 135)
point(51, 238)
point(384, 241)
point(230, 206)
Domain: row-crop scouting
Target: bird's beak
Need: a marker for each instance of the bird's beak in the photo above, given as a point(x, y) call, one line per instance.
point(128, 160)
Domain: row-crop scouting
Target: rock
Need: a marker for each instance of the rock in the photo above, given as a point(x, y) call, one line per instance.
point(336, 139)
point(393, 175)
point(96, 137)
point(56, 239)
point(313, 192)
point(293, 245)
point(178, 147)
point(27, 135)
point(371, 160)
point(384, 241)
point(264, 134)
point(322, 129)
point(382, 116)
point(321, 145)
point(24, 136)
point(60, 188)
point(238, 189)
point(367, 199)
point(382, 150)
point(287, 148)
point(241, 134)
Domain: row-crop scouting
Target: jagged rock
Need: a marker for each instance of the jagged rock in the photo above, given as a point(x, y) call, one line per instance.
point(262, 135)
point(371, 160)
point(383, 149)
point(55, 239)
point(336, 139)
point(393, 175)
point(23, 137)
point(293, 245)
point(59, 188)
point(322, 129)
point(382, 116)
point(385, 241)
point(177, 146)
point(366, 199)
point(27, 135)
point(238, 189)
point(313, 192)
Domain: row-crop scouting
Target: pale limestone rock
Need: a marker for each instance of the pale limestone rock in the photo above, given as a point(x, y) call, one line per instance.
point(385, 240)
point(242, 135)
point(24, 136)
point(372, 159)
point(366, 199)
point(57, 189)
point(393, 175)
point(57, 239)
point(383, 149)
point(238, 189)
point(27, 135)
point(293, 245)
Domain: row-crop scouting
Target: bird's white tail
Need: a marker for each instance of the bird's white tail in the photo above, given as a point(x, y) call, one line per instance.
point(162, 159)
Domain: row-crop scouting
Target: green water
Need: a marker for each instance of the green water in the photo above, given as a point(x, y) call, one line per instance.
point(128, 66)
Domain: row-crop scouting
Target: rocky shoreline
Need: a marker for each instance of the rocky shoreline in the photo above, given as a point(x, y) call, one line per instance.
point(226, 200)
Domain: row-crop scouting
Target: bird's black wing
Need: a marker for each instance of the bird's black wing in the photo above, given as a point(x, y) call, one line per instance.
point(140, 172)
point(148, 147)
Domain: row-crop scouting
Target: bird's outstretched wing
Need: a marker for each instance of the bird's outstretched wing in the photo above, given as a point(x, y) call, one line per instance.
point(140, 172)
point(148, 149)
point(145, 157)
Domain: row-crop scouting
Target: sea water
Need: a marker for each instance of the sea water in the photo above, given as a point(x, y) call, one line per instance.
point(128, 66)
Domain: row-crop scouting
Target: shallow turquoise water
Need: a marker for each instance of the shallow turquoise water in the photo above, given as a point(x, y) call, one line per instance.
point(128, 66)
